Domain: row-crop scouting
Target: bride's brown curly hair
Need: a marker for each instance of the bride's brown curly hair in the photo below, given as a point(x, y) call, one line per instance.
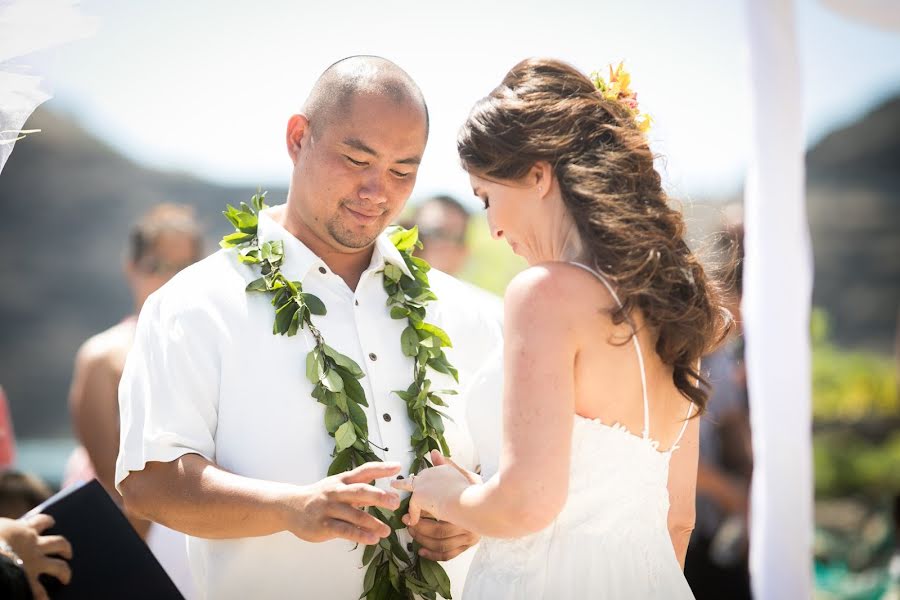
point(546, 110)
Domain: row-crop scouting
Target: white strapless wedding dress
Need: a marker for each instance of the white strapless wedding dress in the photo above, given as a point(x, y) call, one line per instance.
point(611, 539)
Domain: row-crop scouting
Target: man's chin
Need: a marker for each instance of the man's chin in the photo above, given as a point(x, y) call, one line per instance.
point(355, 239)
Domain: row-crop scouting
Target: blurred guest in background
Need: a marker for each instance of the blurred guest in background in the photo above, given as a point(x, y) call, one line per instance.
point(716, 565)
point(442, 223)
point(7, 436)
point(163, 242)
point(19, 493)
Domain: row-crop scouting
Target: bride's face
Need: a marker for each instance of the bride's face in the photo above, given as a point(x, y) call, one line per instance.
point(512, 211)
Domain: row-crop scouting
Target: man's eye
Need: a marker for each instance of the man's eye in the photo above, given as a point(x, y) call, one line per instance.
point(400, 174)
point(357, 163)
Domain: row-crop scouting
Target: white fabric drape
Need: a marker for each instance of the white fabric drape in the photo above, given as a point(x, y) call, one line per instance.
point(776, 307)
point(27, 26)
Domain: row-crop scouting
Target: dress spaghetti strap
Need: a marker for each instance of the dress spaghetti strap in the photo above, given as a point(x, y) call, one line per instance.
point(637, 348)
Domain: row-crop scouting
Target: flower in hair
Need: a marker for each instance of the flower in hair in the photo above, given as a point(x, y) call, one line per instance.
point(617, 89)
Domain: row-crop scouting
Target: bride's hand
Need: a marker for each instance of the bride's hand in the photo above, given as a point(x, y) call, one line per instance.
point(432, 487)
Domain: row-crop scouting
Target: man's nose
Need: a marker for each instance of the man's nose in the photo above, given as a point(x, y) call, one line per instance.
point(373, 189)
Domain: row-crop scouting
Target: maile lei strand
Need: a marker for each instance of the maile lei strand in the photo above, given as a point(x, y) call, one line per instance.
point(392, 573)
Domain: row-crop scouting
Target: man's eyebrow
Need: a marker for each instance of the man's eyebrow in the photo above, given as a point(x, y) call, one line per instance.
point(358, 144)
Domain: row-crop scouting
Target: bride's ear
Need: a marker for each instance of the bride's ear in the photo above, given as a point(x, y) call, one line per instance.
point(541, 177)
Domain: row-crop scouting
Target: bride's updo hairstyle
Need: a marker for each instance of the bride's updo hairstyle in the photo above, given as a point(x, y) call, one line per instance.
point(546, 110)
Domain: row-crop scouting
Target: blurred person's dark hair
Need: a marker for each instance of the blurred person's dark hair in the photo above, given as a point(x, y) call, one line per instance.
point(20, 492)
point(434, 230)
point(443, 222)
point(164, 218)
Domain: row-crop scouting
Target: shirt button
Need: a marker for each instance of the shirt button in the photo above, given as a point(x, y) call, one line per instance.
point(356, 302)
point(400, 477)
point(372, 356)
point(322, 270)
point(386, 417)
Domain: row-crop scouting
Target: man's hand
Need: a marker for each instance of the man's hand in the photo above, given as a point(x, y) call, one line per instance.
point(35, 550)
point(441, 540)
point(329, 508)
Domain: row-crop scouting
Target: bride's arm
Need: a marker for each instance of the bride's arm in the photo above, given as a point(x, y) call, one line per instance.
point(683, 489)
point(531, 485)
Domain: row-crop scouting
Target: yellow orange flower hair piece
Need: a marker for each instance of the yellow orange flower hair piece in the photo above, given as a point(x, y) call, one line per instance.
point(617, 89)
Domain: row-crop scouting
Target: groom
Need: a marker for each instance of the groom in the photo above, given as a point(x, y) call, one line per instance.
point(220, 436)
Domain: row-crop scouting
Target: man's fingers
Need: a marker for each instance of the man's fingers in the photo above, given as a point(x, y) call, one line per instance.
point(344, 530)
point(361, 494)
point(58, 568)
point(370, 472)
point(38, 591)
point(438, 529)
point(402, 484)
point(360, 519)
point(443, 545)
point(441, 556)
point(55, 545)
point(40, 522)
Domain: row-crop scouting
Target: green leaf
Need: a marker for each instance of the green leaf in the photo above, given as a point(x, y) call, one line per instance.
point(343, 361)
point(344, 436)
point(257, 285)
point(332, 381)
point(295, 323)
point(358, 418)
point(334, 418)
point(392, 272)
point(394, 575)
point(341, 463)
point(405, 239)
point(316, 306)
point(438, 333)
point(354, 390)
point(409, 342)
point(434, 420)
point(436, 576)
point(283, 316)
point(369, 553)
point(258, 201)
point(399, 312)
point(369, 580)
point(233, 239)
point(315, 366)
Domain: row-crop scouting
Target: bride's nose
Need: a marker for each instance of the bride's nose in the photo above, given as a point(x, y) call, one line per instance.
point(496, 232)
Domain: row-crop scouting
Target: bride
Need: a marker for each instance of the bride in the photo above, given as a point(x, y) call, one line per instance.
point(594, 497)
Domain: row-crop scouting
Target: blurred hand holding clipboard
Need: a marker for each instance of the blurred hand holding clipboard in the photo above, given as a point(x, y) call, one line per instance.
point(109, 559)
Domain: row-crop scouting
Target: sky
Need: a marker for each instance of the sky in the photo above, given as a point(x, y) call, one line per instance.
point(206, 87)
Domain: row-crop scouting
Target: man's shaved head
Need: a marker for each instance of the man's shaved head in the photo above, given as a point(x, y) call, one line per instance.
point(350, 77)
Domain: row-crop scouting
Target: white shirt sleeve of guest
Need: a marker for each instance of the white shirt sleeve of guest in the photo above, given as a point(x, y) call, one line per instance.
point(168, 394)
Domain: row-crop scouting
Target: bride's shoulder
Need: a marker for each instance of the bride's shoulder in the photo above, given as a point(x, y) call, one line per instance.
point(556, 291)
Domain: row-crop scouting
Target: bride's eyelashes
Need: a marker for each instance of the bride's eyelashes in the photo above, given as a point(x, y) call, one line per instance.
point(486, 201)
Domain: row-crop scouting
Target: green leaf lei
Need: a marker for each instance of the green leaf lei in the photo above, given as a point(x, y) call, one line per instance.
point(392, 573)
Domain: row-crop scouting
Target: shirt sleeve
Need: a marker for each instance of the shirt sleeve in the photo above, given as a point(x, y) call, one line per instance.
point(168, 394)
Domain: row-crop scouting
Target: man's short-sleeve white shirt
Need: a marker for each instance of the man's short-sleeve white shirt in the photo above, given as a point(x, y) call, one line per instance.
point(207, 376)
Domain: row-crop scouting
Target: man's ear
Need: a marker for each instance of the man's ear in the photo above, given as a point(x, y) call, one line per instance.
point(297, 129)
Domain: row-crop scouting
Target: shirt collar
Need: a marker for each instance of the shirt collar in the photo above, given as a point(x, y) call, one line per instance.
point(299, 259)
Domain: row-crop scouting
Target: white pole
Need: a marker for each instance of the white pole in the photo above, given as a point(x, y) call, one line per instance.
point(778, 287)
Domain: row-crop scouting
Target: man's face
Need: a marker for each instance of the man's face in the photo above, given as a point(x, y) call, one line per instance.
point(170, 252)
point(355, 173)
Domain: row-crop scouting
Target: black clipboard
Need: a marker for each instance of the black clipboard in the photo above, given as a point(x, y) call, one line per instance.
point(109, 559)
